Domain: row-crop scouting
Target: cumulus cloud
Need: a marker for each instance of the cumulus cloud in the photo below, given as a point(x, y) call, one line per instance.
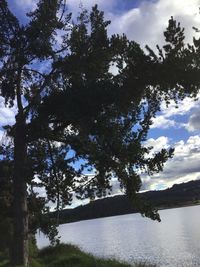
point(7, 115)
point(146, 23)
point(168, 114)
point(183, 167)
point(193, 124)
point(163, 123)
point(182, 108)
point(158, 144)
point(1, 134)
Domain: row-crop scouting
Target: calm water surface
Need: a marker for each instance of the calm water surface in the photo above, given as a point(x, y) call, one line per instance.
point(173, 242)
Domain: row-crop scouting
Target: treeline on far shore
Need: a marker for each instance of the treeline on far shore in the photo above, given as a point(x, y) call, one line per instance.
point(179, 195)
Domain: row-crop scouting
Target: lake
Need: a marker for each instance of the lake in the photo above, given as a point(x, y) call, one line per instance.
point(173, 242)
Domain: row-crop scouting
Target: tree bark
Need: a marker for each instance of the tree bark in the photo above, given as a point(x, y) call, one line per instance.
point(20, 209)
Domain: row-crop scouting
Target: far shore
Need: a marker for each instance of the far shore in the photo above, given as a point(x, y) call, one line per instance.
point(160, 208)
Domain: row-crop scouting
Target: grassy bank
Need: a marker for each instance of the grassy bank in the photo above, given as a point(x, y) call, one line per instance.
point(71, 256)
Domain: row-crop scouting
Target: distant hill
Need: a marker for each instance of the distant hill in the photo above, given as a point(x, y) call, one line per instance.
point(178, 195)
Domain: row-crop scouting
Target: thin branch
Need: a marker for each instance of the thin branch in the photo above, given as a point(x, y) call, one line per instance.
point(45, 83)
point(87, 183)
point(63, 11)
point(35, 71)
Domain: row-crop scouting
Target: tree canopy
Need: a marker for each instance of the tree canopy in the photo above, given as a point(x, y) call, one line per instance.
point(75, 116)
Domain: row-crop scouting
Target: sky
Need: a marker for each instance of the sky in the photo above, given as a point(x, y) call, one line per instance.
point(144, 22)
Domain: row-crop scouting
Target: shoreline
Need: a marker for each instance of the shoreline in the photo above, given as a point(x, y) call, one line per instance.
point(159, 208)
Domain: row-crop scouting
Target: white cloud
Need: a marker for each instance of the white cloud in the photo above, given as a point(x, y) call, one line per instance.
point(158, 144)
point(1, 135)
point(182, 108)
point(7, 115)
point(193, 124)
point(116, 189)
point(163, 123)
point(189, 107)
point(146, 23)
point(183, 167)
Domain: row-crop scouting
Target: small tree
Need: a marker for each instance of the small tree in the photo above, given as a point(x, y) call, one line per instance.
point(74, 115)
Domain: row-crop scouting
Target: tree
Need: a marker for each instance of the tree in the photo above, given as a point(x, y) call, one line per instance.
point(5, 205)
point(74, 115)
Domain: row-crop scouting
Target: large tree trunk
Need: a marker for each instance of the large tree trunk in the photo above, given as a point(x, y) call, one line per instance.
point(20, 210)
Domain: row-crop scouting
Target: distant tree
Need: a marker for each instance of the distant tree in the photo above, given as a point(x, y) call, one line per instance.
point(73, 111)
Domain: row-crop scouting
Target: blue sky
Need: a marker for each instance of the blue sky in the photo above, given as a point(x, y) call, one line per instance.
point(144, 22)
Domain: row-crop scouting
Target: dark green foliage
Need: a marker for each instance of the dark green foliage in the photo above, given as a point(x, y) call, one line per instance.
point(178, 64)
point(43, 25)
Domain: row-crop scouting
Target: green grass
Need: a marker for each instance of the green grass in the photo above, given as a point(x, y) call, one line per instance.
point(71, 256)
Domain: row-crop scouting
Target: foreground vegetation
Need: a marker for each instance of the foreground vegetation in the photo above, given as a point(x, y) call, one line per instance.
point(69, 256)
